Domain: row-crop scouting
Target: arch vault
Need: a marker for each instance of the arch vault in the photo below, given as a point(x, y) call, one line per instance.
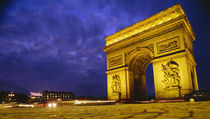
point(165, 40)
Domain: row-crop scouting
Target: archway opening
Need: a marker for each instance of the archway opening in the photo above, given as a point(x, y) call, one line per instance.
point(150, 82)
point(138, 66)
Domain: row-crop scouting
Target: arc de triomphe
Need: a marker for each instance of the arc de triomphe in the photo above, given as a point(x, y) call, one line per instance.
point(165, 40)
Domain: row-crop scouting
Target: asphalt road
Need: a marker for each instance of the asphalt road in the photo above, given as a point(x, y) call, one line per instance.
point(176, 110)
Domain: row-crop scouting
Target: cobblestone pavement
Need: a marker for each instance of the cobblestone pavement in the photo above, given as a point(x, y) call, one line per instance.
point(177, 110)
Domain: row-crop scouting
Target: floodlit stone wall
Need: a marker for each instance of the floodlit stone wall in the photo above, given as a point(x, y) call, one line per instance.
point(168, 46)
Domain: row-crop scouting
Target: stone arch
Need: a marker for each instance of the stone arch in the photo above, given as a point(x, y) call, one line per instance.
point(138, 50)
point(160, 39)
point(137, 64)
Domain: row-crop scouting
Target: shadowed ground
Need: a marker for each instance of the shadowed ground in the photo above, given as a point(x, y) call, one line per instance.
point(179, 110)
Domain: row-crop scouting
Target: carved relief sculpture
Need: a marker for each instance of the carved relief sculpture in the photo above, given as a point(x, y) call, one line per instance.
point(116, 84)
point(171, 75)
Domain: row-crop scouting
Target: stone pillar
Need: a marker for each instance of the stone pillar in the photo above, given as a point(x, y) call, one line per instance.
point(172, 76)
point(119, 84)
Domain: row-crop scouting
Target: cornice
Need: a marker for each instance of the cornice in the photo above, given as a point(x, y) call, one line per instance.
point(148, 23)
point(141, 37)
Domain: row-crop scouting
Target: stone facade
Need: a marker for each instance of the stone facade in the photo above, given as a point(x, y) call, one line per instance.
point(165, 40)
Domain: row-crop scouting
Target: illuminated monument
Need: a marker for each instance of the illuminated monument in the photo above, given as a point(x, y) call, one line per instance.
point(165, 40)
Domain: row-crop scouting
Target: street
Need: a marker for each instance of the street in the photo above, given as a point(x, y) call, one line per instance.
point(176, 110)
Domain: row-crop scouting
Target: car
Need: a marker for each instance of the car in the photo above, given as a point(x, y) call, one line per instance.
point(199, 95)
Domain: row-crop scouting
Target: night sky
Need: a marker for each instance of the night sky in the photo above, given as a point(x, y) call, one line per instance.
point(57, 44)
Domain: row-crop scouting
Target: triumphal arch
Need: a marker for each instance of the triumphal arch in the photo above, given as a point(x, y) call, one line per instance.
point(165, 40)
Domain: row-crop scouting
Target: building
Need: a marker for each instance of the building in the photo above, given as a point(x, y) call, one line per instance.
point(11, 97)
point(8, 97)
point(165, 40)
point(57, 95)
point(36, 97)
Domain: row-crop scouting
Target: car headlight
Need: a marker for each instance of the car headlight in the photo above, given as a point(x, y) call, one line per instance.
point(52, 105)
point(49, 105)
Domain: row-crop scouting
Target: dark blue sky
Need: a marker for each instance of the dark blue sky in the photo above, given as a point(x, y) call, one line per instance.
point(57, 44)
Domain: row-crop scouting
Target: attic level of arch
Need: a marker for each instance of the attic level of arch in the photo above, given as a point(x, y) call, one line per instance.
point(167, 16)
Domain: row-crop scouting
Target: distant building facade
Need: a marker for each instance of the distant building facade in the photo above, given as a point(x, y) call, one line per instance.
point(35, 97)
point(57, 95)
point(7, 97)
point(11, 97)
